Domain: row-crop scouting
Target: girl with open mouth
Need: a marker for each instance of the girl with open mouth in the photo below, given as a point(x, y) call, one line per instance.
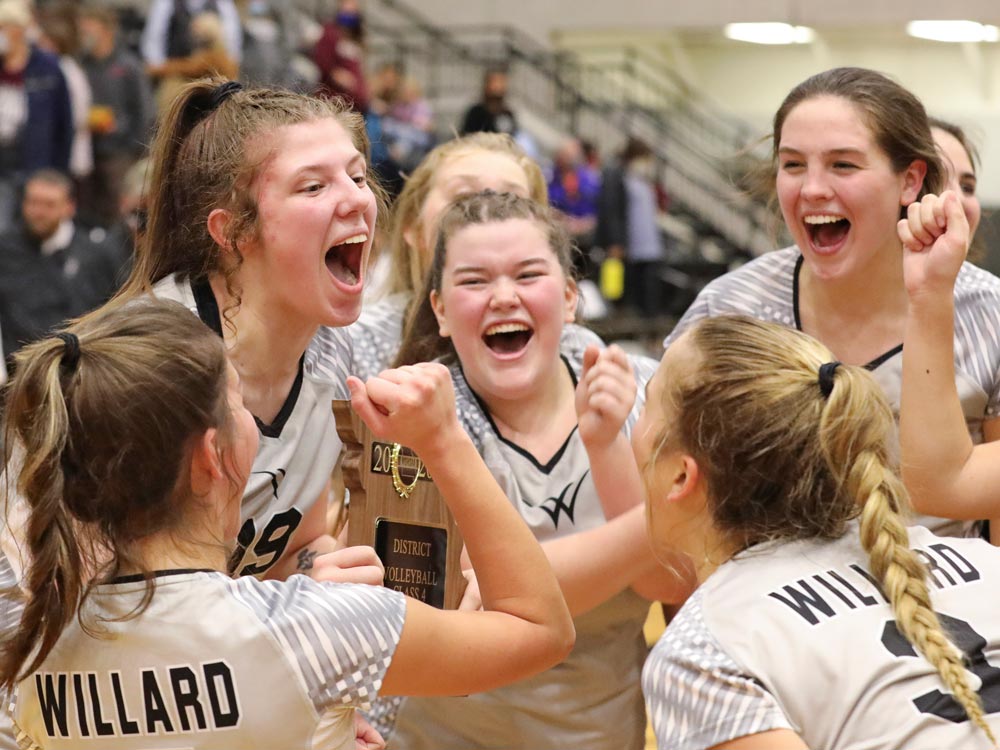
point(549, 418)
point(852, 150)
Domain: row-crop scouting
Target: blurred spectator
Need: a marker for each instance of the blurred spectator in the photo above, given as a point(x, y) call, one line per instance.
point(574, 189)
point(32, 90)
point(59, 36)
point(591, 156)
point(121, 116)
point(123, 236)
point(167, 33)
point(271, 40)
point(339, 55)
point(50, 269)
point(628, 225)
point(491, 114)
point(408, 126)
point(209, 57)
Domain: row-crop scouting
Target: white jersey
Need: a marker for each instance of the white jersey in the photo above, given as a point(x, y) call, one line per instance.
point(298, 450)
point(215, 664)
point(378, 333)
point(767, 288)
point(591, 701)
point(11, 607)
point(798, 636)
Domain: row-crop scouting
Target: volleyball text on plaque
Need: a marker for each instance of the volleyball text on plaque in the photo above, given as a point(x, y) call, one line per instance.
point(396, 508)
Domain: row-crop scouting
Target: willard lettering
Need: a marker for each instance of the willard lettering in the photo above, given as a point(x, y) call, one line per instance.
point(177, 699)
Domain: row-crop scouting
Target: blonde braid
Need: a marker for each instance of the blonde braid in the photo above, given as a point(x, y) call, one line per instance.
point(904, 579)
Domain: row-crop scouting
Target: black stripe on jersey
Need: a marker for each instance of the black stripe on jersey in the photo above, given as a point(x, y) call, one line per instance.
point(208, 311)
point(136, 577)
point(552, 462)
point(879, 360)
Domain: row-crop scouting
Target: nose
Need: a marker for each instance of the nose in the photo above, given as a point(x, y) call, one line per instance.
point(815, 185)
point(504, 294)
point(354, 200)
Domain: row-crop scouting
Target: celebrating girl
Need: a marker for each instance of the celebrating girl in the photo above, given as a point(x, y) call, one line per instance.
point(547, 419)
point(137, 448)
point(820, 620)
point(853, 149)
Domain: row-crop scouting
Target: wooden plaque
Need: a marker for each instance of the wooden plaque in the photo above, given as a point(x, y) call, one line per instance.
point(400, 513)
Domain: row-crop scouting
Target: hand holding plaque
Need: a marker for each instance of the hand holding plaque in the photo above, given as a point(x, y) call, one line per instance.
point(395, 506)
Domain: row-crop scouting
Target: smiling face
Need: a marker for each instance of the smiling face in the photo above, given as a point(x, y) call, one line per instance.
point(961, 175)
point(839, 195)
point(503, 301)
point(466, 172)
point(317, 221)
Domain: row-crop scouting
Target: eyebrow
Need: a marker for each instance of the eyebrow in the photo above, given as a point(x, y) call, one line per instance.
point(354, 160)
point(520, 264)
point(844, 150)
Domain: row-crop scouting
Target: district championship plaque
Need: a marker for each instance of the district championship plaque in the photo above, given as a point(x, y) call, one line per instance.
point(396, 508)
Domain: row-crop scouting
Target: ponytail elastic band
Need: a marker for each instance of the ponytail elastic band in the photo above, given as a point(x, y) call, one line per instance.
point(220, 93)
point(71, 352)
point(223, 91)
point(826, 373)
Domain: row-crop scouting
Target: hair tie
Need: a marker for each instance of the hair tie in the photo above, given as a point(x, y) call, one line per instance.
point(71, 352)
point(204, 106)
point(826, 373)
point(223, 91)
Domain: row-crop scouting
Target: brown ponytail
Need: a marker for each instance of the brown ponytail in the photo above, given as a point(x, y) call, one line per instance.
point(96, 451)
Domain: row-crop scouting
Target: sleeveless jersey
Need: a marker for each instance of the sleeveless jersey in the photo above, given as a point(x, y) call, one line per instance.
point(797, 635)
point(591, 701)
point(377, 334)
point(767, 288)
point(215, 664)
point(298, 450)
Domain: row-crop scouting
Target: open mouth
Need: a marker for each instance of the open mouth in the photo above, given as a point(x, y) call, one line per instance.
point(343, 261)
point(827, 230)
point(507, 338)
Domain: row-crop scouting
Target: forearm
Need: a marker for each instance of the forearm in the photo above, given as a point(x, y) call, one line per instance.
point(514, 575)
point(934, 439)
point(594, 565)
point(616, 476)
point(300, 559)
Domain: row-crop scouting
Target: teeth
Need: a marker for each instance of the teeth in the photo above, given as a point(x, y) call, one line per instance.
point(506, 328)
point(825, 219)
point(355, 239)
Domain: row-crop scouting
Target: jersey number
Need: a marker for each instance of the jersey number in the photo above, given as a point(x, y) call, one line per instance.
point(973, 646)
point(271, 545)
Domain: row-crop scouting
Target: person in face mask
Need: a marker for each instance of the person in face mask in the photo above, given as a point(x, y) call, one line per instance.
point(491, 114)
point(339, 55)
point(32, 89)
point(628, 226)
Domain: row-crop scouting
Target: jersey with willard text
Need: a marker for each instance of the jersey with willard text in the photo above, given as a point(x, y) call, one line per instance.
point(298, 450)
point(767, 288)
point(214, 663)
point(798, 635)
point(592, 700)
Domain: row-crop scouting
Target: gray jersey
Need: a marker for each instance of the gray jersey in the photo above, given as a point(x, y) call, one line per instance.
point(298, 450)
point(767, 289)
point(798, 636)
point(592, 701)
point(214, 664)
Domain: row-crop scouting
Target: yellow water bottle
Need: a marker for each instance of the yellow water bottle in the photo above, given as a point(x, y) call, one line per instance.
point(612, 279)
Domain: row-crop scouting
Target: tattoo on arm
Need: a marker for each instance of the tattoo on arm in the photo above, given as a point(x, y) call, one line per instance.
point(306, 558)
